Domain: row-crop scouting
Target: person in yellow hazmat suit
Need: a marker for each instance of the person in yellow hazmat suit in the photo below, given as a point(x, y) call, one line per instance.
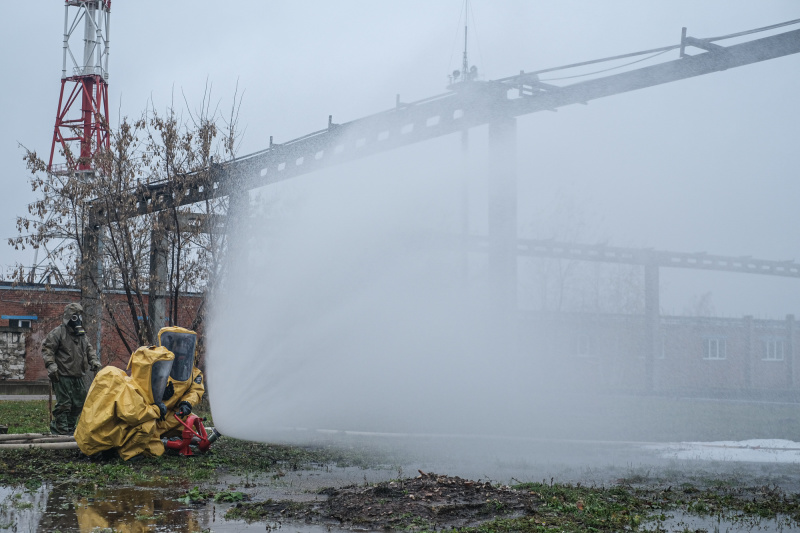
point(185, 379)
point(121, 411)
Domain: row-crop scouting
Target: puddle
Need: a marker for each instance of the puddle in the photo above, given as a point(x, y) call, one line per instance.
point(129, 510)
point(729, 523)
point(144, 510)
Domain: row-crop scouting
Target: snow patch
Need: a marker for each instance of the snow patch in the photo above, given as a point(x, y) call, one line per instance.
point(751, 451)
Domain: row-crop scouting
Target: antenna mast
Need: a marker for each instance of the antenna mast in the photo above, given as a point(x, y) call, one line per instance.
point(88, 81)
point(465, 63)
point(466, 73)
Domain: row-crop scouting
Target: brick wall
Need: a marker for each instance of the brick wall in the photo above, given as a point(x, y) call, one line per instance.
point(47, 304)
point(610, 350)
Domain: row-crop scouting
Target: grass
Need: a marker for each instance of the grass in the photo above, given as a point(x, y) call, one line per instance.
point(636, 500)
point(673, 419)
point(25, 416)
point(227, 456)
point(606, 418)
point(661, 419)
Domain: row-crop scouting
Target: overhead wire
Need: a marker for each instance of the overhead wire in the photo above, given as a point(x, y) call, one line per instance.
point(595, 61)
point(755, 30)
point(610, 68)
point(654, 51)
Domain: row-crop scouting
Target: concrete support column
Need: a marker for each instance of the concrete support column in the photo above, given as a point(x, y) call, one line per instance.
point(237, 228)
point(157, 301)
point(790, 327)
point(91, 282)
point(503, 215)
point(465, 206)
point(749, 351)
point(652, 307)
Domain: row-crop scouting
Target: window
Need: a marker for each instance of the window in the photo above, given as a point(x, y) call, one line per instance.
point(20, 321)
point(773, 350)
point(714, 349)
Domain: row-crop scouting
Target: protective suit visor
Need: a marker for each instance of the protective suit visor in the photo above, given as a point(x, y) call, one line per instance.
point(183, 346)
point(159, 376)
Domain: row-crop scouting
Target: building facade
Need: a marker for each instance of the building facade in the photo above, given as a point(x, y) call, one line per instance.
point(724, 356)
point(29, 312)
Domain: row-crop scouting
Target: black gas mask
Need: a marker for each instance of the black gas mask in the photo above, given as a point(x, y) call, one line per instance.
point(76, 323)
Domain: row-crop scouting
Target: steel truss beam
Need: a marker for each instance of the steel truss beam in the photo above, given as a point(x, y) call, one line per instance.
point(468, 105)
point(645, 257)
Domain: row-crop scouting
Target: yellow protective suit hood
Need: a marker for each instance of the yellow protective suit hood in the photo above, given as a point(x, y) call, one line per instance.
point(186, 379)
point(119, 411)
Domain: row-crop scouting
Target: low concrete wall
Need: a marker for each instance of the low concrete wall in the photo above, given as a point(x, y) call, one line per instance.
point(19, 386)
point(12, 352)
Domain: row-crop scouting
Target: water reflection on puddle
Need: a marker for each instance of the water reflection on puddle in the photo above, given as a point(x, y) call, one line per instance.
point(141, 510)
point(125, 510)
point(722, 524)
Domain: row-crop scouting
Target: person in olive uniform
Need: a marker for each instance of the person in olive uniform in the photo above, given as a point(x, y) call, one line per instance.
point(67, 355)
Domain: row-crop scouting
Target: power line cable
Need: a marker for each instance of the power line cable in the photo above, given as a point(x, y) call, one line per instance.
point(607, 69)
point(655, 51)
point(756, 30)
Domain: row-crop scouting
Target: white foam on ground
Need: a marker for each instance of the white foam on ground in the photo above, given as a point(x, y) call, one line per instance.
point(751, 451)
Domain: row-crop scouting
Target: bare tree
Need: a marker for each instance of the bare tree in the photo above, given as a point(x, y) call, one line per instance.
point(154, 147)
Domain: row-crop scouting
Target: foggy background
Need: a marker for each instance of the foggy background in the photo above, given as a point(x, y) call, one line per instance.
point(340, 287)
point(346, 313)
point(699, 165)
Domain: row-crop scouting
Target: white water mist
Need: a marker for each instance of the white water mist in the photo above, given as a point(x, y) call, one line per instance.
point(349, 309)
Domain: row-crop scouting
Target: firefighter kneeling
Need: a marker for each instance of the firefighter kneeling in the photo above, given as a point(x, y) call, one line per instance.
point(132, 414)
point(121, 411)
point(185, 388)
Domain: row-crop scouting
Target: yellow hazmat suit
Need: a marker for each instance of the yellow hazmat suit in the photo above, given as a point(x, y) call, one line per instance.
point(185, 378)
point(121, 411)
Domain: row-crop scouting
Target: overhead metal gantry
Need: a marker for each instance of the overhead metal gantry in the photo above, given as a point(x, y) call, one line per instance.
point(638, 256)
point(652, 261)
point(466, 105)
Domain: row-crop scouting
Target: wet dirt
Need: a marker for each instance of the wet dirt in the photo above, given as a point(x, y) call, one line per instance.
point(427, 501)
point(317, 497)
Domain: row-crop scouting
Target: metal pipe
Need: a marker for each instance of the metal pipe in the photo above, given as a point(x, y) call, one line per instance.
point(30, 436)
point(43, 445)
point(107, 49)
point(66, 42)
point(49, 438)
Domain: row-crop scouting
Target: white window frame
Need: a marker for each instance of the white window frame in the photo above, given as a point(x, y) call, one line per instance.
point(715, 349)
point(774, 349)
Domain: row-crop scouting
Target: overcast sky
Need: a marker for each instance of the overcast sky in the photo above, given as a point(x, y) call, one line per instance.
point(708, 164)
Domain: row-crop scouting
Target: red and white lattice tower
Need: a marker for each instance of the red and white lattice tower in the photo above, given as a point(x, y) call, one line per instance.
point(81, 132)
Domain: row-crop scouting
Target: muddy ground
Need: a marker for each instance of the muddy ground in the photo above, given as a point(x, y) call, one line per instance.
point(349, 483)
point(427, 501)
point(431, 501)
point(345, 487)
